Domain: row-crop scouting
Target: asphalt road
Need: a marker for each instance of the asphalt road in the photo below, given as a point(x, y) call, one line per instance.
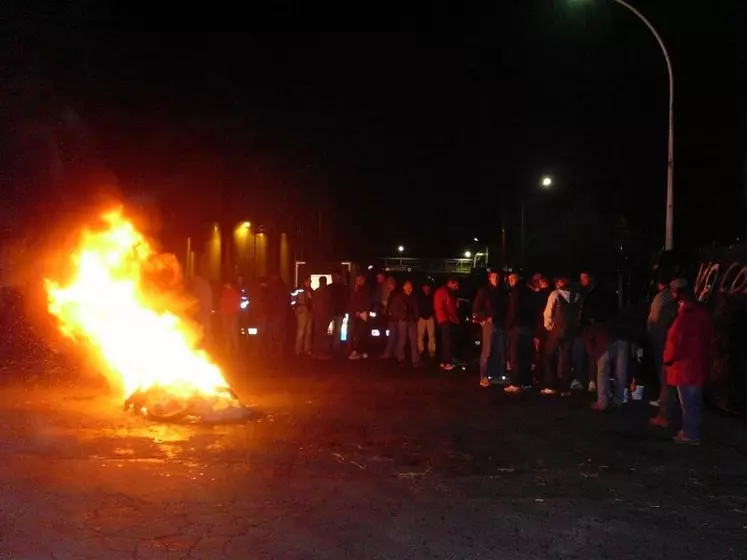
point(363, 460)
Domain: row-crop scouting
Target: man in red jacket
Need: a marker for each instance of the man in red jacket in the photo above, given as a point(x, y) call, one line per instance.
point(445, 307)
point(688, 355)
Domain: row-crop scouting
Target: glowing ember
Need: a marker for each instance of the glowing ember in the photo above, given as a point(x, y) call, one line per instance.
point(106, 303)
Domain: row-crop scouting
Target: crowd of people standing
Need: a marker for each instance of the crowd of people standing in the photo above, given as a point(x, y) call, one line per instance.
point(533, 334)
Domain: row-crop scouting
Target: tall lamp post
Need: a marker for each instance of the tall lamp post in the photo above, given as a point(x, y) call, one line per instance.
point(545, 183)
point(669, 227)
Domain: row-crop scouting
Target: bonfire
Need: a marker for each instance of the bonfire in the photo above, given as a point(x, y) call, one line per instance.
point(150, 352)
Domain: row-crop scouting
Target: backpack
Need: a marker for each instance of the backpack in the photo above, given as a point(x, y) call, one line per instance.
point(566, 316)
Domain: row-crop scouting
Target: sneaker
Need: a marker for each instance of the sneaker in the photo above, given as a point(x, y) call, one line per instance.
point(683, 439)
point(576, 385)
point(364, 356)
point(484, 382)
point(565, 393)
point(354, 356)
point(592, 386)
point(448, 367)
point(513, 389)
point(548, 391)
point(658, 422)
point(656, 403)
point(441, 365)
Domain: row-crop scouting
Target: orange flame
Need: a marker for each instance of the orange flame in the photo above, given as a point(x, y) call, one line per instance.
point(105, 304)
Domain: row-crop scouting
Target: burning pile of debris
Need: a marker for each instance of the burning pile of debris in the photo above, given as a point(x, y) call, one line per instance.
point(159, 403)
point(150, 351)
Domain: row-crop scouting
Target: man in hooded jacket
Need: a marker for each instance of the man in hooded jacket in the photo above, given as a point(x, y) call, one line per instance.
point(561, 318)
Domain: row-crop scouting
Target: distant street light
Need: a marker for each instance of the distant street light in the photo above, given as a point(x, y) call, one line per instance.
point(545, 183)
point(401, 249)
point(476, 240)
point(669, 225)
point(467, 254)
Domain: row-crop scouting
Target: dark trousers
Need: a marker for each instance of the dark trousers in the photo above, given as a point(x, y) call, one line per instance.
point(446, 333)
point(322, 342)
point(520, 355)
point(358, 329)
point(408, 333)
point(276, 336)
point(657, 355)
point(580, 361)
point(558, 357)
point(540, 340)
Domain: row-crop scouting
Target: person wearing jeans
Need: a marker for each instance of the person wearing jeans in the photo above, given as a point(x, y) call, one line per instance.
point(426, 322)
point(489, 309)
point(688, 355)
point(403, 309)
point(445, 310)
point(608, 347)
point(561, 318)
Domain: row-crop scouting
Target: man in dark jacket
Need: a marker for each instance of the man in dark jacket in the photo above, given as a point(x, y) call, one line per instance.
point(520, 328)
point(339, 295)
point(661, 315)
point(403, 308)
point(358, 309)
point(489, 309)
point(597, 306)
point(542, 291)
point(392, 324)
point(277, 308)
point(427, 322)
point(322, 317)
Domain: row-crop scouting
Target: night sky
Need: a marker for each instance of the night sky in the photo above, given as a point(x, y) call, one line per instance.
point(419, 132)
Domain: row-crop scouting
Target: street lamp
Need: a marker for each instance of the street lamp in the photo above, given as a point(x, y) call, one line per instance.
point(545, 183)
point(484, 253)
point(669, 226)
point(400, 249)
